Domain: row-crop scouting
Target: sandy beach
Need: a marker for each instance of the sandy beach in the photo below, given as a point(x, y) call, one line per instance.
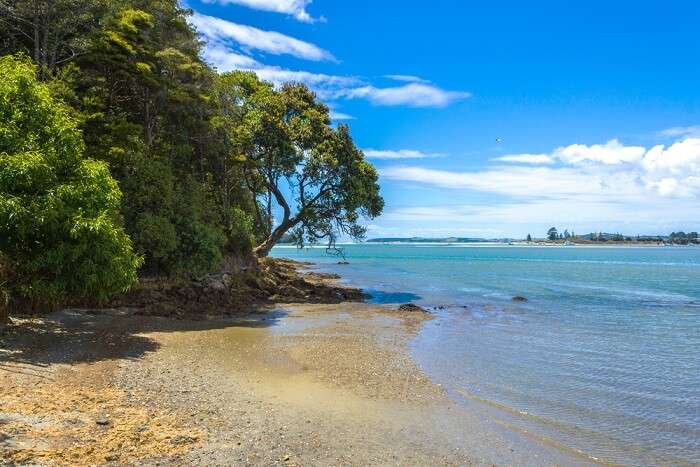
point(295, 385)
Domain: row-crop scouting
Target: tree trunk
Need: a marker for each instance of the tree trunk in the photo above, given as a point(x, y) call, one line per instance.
point(264, 248)
point(4, 314)
point(287, 223)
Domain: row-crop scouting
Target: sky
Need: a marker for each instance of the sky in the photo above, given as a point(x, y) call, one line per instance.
point(494, 119)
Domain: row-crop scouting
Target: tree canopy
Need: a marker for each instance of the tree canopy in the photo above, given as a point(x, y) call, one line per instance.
point(289, 153)
point(195, 165)
point(60, 234)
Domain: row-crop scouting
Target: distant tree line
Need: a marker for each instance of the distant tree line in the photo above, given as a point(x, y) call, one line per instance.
point(679, 238)
point(122, 152)
point(553, 234)
point(683, 238)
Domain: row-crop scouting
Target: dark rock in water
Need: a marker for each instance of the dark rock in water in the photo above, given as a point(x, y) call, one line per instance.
point(412, 307)
point(519, 298)
point(343, 262)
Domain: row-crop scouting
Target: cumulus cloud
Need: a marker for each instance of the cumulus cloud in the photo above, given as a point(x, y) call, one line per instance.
point(295, 8)
point(682, 157)
point(217, 30)
point(612, 173)
point(398, 154)
point(660, 193)
point(612, 152)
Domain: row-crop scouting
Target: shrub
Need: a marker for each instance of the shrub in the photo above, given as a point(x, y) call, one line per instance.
point(60, 233)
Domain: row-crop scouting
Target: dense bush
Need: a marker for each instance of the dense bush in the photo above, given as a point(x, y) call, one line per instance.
point(60, 234)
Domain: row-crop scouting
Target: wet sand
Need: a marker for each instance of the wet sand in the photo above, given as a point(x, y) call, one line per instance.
point(298, 385)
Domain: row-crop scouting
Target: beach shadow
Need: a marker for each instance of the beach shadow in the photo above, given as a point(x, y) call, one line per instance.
point(381, 298)
point(31, 346)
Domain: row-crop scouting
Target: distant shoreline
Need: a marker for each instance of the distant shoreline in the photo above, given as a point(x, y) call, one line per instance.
point(589, 239)
point(519, 243)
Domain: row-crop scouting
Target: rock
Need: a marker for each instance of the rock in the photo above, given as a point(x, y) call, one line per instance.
point(519, 298)
point(412, 307)
point(102, 421)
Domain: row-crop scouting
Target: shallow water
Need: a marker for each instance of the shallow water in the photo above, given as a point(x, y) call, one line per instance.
point(603, 358)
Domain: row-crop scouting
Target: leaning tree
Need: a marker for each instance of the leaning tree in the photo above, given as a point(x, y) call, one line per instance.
point(292, 157)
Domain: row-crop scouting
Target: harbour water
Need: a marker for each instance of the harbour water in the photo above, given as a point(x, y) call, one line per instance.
point(603, 358)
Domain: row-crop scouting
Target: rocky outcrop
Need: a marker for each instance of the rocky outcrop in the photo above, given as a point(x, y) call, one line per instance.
point(232, 291)
point(412, 308)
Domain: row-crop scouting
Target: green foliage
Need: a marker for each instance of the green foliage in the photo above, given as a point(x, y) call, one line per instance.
point(203, 160)
point(284, 142)
point(241, 229)
point(52, 32)
point(145, 94)
point(201, 238)
point(59, 231)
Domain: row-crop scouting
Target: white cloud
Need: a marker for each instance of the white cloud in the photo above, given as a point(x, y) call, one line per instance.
point(407, 78)
point(527, 158)
point(682, 157)
point(666, 186)
point(326, 86)
point(217, 30)
point(398, 154)
point(522, 182)
point(227, 47)
point(340, 116)
point(682, 131)
point(609, 153)
point(517, 218)
point(412, 95)
point(672, 171)
point(295, 8)
point(323, 84)
point(226, 60)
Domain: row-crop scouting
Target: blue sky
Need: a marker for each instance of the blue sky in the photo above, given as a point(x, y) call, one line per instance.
point(495, 119)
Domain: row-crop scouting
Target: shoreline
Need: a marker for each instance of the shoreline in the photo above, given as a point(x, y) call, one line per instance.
point(299, 384)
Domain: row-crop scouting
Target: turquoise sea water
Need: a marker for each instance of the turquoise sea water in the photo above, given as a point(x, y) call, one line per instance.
point(603, 358)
